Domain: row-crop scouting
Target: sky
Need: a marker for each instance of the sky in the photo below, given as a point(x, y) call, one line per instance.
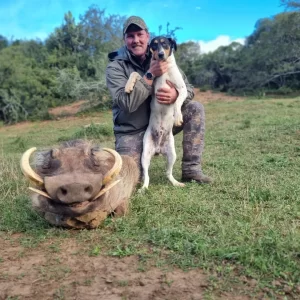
point(211, 23)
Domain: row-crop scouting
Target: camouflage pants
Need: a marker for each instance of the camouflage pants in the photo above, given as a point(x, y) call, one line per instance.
point(193, 139)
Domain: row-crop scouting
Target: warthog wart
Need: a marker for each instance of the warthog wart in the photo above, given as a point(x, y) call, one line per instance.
point(78, 184)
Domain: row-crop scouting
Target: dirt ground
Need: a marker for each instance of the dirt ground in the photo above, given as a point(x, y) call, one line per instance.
point(209, 96)
point(69, 109)
point(203, 97)
point(64, 271)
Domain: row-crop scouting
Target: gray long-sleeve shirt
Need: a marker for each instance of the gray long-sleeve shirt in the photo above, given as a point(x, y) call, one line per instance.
point(131, 112)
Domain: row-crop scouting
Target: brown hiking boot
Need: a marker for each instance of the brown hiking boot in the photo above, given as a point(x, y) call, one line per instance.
point(199, 178)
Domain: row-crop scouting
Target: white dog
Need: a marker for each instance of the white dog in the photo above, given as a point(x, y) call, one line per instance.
point(159, 136)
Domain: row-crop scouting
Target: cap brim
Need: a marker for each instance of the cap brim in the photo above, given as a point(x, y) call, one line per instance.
point(125, 29)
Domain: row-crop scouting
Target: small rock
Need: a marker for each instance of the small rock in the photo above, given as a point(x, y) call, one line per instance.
point(253, 282)
point(266, 290)
point(276, 283)
point(142, 283)
point(287, 289)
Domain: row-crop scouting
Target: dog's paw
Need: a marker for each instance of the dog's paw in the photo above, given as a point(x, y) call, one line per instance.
point(143, 190)
point(178, 119)
point(134, 76)
point(179, 184)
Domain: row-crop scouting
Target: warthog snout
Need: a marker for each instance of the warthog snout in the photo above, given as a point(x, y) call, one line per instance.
point(73, 188)
point(74, 192)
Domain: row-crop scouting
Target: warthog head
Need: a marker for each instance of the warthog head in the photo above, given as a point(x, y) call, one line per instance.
point(78, 182)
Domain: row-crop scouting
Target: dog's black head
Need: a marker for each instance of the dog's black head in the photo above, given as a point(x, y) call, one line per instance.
point(162, 47)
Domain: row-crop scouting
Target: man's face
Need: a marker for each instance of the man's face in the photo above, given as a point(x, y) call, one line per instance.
point(137, 42)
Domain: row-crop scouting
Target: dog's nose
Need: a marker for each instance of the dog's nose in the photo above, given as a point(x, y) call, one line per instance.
point(161, 55)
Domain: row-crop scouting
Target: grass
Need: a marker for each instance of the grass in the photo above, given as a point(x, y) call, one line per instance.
point(245, 224)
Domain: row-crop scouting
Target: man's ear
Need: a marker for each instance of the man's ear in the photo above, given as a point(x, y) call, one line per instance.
point(173, 43)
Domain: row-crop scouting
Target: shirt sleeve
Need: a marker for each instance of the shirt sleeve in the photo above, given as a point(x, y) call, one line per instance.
point(190, 88)
point(116, 79)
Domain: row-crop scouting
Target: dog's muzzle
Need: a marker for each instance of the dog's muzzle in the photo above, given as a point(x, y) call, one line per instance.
point(161, 55)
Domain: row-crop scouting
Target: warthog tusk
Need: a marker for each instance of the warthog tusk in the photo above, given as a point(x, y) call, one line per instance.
point(27, 170)
point(107, 188)
point(115, 170)
point(40, 192)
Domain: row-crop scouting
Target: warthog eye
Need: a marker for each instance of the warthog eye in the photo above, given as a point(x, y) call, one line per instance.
point(49, 164)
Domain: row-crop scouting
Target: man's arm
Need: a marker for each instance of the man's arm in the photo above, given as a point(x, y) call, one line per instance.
point(116, 80)
point(190, 88)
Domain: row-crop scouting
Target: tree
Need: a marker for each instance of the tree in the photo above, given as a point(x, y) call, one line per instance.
point(291, 4)
point(275, 48)
point(26, 86)
point(3, 42)
point(169, 32)
point(186, 56)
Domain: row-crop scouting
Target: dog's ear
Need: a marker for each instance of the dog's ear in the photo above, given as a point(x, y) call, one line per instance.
point(173, 43)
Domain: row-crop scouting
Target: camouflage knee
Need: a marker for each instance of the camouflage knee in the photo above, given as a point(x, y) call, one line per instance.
point(193, 136)
point(131, 145)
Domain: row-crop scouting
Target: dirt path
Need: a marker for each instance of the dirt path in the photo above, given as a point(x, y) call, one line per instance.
point(209, 96)
point(64, 271)
point(203, 97)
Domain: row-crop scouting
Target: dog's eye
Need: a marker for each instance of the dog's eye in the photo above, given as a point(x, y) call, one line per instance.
point(154, 47)
point(165, 45)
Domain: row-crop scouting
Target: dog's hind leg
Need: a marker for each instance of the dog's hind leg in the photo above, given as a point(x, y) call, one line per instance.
point(148, 152)
point(171, 158)
point(134, 76)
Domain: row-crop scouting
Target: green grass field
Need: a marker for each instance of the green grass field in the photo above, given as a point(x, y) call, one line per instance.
point(246, 224)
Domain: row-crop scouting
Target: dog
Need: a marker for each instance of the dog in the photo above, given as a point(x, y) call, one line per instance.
point(158, 138)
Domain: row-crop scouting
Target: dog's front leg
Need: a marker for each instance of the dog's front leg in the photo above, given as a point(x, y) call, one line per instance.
point(133, 78)
point(178, 118)
point(148, 152)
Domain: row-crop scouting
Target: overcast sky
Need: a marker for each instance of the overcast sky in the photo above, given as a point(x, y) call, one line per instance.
point(210, 22)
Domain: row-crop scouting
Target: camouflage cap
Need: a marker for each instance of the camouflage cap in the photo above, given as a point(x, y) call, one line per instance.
point(136, 21)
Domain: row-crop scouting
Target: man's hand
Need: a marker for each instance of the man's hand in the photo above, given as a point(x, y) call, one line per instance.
point(167, 95)
point(157, 67)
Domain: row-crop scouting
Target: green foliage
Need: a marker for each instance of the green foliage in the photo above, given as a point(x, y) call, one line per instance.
point(70, 65)
point(291, 4)
point(25, 85)
point(270, 59)
point(3, 42)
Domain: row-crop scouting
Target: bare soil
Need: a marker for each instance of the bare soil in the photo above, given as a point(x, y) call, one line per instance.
point(210, 96)
point(70, 109)
point(203, 97)
point(65, 271)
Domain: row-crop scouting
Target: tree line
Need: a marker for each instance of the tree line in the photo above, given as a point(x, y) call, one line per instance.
point(70, 64)
point(268, 62)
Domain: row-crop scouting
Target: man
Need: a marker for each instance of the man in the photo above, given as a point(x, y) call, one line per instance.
point(131, 111)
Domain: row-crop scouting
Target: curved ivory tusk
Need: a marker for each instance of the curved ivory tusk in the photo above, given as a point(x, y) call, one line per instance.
point(107, 188)
point(40, 192)
point(27, 170)
point(115, 170)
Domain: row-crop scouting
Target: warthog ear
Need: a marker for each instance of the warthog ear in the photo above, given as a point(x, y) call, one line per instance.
point(27, 170)
point(54, 152)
